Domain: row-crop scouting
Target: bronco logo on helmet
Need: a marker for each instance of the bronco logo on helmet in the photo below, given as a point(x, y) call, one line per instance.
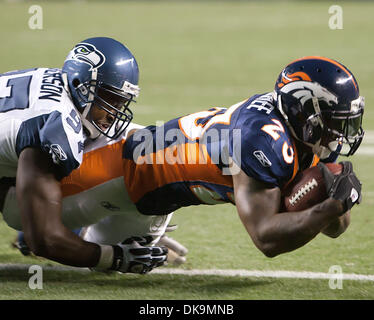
point(304, 90)
point(87, 53)
point(286, 78)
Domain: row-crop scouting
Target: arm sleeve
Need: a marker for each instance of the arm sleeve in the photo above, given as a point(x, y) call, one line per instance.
point(52, 134)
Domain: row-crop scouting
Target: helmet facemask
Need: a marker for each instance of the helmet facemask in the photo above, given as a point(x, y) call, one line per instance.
point(345, 128)
point(324, 131)
point(112, 103)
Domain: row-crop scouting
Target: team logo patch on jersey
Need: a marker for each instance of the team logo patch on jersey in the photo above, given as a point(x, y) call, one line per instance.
point(57, 152)
point(87, 53)
point(265, 162)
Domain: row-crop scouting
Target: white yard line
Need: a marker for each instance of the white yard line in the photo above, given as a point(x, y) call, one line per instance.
point(264, 274)
point(218, 272)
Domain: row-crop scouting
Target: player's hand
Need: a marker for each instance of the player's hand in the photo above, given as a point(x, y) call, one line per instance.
point(133, 256)
point(345, 187)
point(176, 251)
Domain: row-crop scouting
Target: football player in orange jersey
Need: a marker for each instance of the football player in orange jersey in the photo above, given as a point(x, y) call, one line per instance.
point(243, 155)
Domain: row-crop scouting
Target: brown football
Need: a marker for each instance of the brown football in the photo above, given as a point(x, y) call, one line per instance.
point(307, 188)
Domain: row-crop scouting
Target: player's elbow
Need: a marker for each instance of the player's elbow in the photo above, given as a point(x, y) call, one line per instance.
point(270, 253)
point(264, 241)
point(269, 250)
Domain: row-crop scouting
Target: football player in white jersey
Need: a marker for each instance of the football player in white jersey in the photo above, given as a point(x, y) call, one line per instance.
point(46, 117)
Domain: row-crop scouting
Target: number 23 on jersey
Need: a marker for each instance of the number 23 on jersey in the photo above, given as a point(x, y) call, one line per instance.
point(272, 130)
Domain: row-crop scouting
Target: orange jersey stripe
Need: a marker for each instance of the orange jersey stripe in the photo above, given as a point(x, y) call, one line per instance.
point(315, 161)
point(98, 166)
point(178, 163)
point(295, 166)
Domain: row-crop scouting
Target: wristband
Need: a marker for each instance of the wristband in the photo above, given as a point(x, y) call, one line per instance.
point(117, 260)
point(106, 257)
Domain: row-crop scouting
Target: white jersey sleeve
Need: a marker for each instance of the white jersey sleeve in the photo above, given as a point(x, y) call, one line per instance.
point(36, 111)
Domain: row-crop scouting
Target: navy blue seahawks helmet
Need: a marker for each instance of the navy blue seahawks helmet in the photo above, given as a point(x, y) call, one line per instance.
point(104, 73)
point(319, 99)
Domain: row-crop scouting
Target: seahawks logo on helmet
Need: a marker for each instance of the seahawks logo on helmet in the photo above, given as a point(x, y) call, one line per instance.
point(87, 53)
point(305, 90)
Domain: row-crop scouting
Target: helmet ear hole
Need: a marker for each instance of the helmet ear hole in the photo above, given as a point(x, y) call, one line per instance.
point(76, 82)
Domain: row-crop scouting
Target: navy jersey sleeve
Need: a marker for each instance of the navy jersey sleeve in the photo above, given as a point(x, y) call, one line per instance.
point(49, 132)
point(264, 153)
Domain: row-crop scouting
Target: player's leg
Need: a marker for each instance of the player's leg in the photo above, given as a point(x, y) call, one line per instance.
point(116, 228)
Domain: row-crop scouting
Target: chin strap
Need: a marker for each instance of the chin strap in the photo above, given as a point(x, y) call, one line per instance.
point(91, 129)
point(285, 117)
point(321, 151)
point(66, 84)
point(93, 133)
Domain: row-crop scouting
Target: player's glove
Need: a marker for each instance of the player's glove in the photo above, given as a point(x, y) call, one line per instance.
point(133, 256)
point(345, 187)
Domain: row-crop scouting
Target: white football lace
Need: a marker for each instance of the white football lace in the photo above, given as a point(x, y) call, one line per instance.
point(303, 191)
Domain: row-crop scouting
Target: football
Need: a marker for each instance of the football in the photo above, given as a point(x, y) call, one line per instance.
point(307, 188)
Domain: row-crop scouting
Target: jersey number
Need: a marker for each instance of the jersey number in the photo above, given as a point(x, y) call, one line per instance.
point(272, 130)
point(14, 93)
point(194, 125)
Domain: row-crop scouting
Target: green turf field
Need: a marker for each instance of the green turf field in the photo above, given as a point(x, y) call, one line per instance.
point(195, 55)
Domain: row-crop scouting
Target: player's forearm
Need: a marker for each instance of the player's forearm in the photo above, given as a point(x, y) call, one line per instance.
point(40, 202)
point(47, 236)
point(288, 231)
point(67, 248)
